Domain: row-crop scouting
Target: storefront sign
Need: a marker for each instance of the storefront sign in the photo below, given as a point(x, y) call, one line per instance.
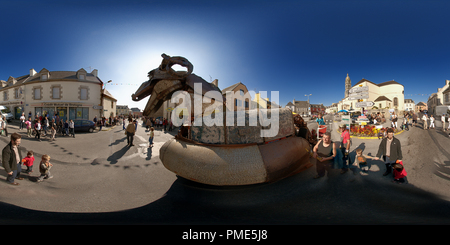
point(11, 103)
point(62, 104)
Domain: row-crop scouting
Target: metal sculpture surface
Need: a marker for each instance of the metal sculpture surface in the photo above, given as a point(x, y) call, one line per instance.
point(224, 155)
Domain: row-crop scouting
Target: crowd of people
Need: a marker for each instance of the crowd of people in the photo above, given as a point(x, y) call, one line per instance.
point(330, 154)
point(389, 151)
point(46, 126)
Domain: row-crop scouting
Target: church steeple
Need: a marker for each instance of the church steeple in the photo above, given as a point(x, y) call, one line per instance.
point(348, 85)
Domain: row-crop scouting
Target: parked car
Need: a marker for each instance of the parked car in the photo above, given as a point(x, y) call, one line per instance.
point(5, 112)
point(84, 125)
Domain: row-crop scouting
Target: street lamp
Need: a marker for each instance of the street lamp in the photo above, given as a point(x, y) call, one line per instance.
point(308, 96)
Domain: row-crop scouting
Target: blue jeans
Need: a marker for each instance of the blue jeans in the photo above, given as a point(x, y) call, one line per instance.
point(15, 174)
point(150, 140)
point(388, 163)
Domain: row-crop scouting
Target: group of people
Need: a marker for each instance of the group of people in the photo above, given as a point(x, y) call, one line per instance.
point(131, 129)
point(432, 120)
point(42, 125)
point(12, 162)
point(389, 150)
point(158, 123)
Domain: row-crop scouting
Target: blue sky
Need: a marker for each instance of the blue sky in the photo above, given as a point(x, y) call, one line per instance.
point(294, 47)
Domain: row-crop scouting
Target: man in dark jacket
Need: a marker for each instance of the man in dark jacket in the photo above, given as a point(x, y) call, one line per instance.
point(390, 149)
point(11, 159)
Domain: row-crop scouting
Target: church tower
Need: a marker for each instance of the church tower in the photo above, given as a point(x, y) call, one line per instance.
point(348, 85)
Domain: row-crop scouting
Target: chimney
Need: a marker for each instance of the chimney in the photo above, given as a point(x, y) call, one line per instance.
point(95, 72)
point(32, 72)
point(216, 82)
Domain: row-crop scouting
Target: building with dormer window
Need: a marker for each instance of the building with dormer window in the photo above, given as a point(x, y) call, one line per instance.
point(69, 94)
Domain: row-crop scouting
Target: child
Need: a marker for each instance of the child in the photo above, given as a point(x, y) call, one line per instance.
point(44, 168)
point(28, 161)
point(399, 173)
point(381, 134)
point(360, 160)
point(152, 134)
point(28, 123)
point(405, 123)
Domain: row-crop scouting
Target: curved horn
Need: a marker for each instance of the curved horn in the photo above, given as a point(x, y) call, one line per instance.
point(179, 61)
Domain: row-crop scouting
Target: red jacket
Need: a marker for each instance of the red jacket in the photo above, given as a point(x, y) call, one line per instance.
point(399, 174)
point(28, 161)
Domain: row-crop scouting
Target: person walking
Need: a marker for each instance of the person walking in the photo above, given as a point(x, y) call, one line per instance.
point(72, 128)
point(37, 128)
point(28, 161)
point(390, 149)
point(22, 121)
point(324, 152)
point(130, 131)
point(425, 121)
point(44, 168)
point(152, 135)
point(11, 159)
point(4, 126)
point(66, 127)
point(165, 124)
point(344, 146)
point(443, 122)
point(53, 129)
point(432, 122)
point(28, 123)
point(414, 119)
point(45, 125)
point(448, 119)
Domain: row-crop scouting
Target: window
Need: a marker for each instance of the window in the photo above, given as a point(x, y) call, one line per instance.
point(44, 77)
point(81, 77)
point(241, 92)
point(246, 104)
point(238, 102)
point(37, 93)
point(5, 96)
point(16, 93)
point(83, 94)
point(395, 101)
point(56, 93)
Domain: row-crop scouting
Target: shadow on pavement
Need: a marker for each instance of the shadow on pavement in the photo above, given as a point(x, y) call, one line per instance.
point(332, 200)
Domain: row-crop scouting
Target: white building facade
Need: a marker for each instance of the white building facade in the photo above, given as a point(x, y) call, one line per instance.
point(69, 94)
point(386, 95)
point(409, 105)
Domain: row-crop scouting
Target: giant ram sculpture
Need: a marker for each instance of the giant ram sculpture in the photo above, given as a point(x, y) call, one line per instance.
point(224, 155)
